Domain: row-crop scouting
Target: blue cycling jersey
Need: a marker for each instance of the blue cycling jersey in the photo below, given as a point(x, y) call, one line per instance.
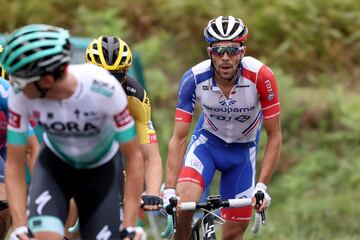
point(4, 93)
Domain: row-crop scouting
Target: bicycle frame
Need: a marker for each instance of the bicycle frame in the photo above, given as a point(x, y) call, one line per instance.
point(206, 221)
point(208, 224)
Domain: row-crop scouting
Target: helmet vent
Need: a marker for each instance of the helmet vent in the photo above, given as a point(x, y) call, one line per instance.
point(233, 30)
point(97, 59)
point(216, 30)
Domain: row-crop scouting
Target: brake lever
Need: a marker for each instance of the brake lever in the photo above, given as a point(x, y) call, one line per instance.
point(259, 196)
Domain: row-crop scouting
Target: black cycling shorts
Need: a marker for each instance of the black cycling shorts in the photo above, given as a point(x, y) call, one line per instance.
point(97, 192)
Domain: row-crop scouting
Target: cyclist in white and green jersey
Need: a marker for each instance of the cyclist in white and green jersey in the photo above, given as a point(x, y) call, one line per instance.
point(83, 112)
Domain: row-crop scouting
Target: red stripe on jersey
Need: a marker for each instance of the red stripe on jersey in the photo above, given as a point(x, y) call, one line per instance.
point(182, 116)
point(252, 126)
point(249, 75)
point(123, 118)
point(189, 174)
point(271, 111)
point(268, 91)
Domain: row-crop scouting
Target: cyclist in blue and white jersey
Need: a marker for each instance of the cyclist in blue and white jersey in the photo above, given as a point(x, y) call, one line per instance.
point(237, 95)
point(82, 137)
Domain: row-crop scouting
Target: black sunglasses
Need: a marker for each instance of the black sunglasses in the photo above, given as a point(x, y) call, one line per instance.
point(230, 50)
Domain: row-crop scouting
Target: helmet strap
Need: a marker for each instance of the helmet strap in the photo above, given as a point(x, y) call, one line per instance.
point(122, 81)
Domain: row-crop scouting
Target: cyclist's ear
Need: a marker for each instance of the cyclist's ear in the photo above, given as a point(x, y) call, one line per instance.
point(47, 81)
point(243, 52)
point(209, 51)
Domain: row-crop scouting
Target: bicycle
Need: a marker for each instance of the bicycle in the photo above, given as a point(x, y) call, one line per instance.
point(208, 219)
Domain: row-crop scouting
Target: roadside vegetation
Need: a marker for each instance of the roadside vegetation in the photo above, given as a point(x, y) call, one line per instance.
point(313, 47)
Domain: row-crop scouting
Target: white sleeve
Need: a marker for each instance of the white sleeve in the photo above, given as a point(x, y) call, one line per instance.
point(18, 118)
point(123, 121)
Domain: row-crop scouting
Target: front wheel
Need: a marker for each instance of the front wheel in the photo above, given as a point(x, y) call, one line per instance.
point(195, 230)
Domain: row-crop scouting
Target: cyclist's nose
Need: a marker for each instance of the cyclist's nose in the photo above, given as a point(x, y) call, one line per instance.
point(225, 56)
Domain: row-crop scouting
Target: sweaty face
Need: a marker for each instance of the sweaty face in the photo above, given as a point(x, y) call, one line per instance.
point(226, 57)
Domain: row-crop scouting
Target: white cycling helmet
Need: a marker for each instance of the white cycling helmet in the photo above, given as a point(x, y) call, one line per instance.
point(225, 28)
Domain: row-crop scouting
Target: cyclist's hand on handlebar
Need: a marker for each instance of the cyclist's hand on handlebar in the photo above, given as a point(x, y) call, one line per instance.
point(267, 199)
point(21, 233)
point(133, 233)
point(151, 202)
point(168, 194)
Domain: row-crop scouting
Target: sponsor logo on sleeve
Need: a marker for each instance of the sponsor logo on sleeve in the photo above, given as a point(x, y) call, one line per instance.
point(153, 138)
point(123, 118)
point(150, 125)
point(270, 95)
point(14, 119)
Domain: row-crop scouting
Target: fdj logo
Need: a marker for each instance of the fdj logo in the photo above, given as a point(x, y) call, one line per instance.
point(270, 90)
point(241, 118)
point(70, 129)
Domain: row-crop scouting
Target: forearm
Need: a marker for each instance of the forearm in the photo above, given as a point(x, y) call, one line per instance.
point(16, 189)
point(133, 188)
point(271, 156)
point(153, 169)
point(33, 150)
point(176, 152)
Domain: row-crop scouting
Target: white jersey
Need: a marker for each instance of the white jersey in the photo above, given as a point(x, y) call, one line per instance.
point(84, 129)
point(237, 118)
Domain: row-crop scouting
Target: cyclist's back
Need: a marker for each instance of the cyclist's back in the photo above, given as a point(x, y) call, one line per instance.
point(140, 109)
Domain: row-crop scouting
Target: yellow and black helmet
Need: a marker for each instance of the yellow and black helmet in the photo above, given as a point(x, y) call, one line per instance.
point(2, 70)
point(110, 53)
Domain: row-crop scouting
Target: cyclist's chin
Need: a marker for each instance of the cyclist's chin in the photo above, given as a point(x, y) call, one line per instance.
point(227, 75)
point(30, 94)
